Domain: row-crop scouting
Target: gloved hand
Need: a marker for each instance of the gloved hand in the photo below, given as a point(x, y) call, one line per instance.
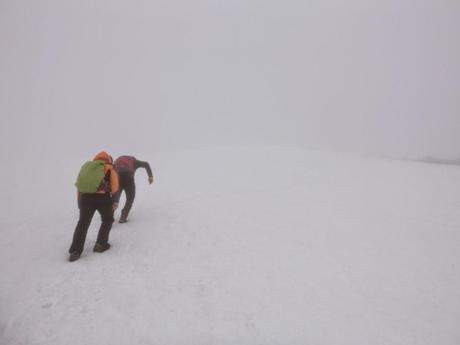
point(150, 179)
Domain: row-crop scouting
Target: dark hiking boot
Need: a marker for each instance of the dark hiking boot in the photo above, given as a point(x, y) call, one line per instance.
point(74, 256)
point(100, 248)
point(123, 217)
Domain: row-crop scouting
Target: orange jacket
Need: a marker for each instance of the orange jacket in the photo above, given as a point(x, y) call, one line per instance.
point(107, 159)
point(114, 184)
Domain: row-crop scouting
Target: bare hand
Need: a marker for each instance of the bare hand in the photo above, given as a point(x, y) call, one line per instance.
point(114, 206)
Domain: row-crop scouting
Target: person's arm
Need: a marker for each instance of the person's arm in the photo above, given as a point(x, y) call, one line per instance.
point(79, 199)
point(146, 166)
point(114, 187)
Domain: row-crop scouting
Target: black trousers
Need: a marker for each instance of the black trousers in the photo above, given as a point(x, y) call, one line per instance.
point(89, 204)
point(127, 184)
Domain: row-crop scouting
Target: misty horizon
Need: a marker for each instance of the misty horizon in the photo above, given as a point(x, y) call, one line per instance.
point(375, 78)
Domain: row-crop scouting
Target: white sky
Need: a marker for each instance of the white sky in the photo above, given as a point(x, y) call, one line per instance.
point(377, 76)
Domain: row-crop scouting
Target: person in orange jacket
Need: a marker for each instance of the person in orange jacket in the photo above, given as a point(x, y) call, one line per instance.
point(100, 201)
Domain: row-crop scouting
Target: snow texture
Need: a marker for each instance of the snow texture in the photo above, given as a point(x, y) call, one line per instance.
point(236, 245)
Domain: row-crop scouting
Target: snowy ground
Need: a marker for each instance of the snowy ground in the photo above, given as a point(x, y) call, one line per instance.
point(239, 246)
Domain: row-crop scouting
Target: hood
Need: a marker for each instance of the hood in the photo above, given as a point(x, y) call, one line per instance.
point(103, 156)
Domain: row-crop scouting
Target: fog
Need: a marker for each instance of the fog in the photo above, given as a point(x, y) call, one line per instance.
point(374, 77)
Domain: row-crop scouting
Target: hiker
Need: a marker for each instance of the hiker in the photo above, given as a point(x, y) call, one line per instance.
point(96, 184)
point(126, 167)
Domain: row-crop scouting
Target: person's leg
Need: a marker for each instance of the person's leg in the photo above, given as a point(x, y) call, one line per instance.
point(130, 190)
point(122, 189)
point(87, 209)
point(122, 184)
point(123, 179)
point(106, 211)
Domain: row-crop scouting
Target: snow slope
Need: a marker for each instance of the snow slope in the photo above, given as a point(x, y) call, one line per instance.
point(239, 246)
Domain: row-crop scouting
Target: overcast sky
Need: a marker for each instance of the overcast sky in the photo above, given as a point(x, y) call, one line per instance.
point(378, 76)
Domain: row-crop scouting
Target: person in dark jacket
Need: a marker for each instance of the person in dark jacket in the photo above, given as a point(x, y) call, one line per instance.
point(100, 201)
point(126, 167)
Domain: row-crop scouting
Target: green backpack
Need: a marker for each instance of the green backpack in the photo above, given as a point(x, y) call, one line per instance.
point(90, 177)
